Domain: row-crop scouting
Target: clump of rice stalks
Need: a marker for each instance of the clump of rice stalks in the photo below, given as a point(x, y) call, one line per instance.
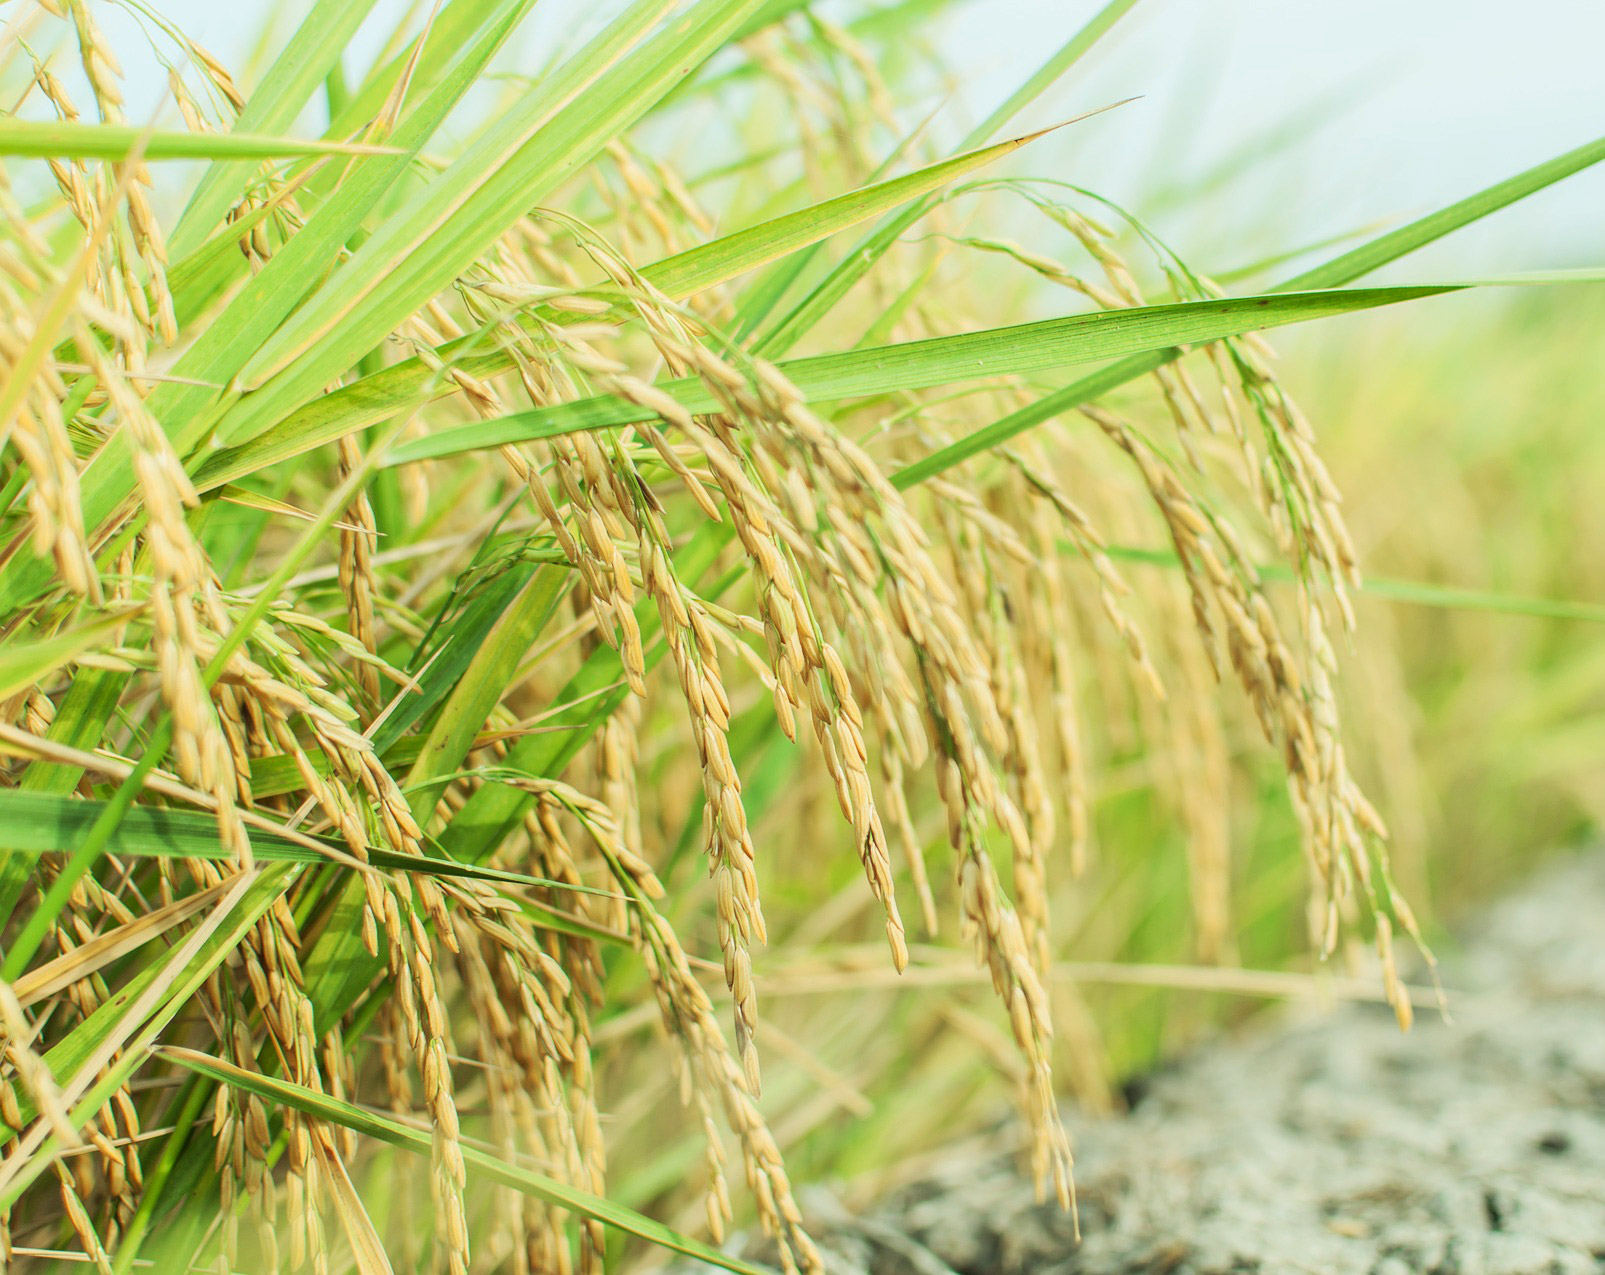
point(411, 562)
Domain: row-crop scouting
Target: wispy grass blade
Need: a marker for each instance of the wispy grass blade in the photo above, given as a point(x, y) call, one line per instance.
point(730, 256)
point(40, 823)
point(1411, 592)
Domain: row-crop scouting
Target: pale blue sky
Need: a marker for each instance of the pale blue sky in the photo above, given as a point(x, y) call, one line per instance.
point(1431, 99)
point(1427, 100)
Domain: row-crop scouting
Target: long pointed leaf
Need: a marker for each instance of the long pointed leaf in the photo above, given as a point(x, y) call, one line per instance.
point(44, 823)
point(886, 369)
point(53, 139)
point(481, 1164)
point(710, 264)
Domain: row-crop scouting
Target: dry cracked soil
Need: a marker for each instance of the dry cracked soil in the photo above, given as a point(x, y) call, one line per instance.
point(1324, 1142)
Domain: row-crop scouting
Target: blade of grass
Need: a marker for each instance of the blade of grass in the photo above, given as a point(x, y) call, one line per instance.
point(453, 29)
point(490, 1168)
point(44, 823)
point(487, 679)
point(1387, 248)
point(451, 654)
point(367, 1249)
point(190, 1103)
point(710, 264)
point(54, 139)
point(1023, 348)
point(595, 690)
point(1412, 592)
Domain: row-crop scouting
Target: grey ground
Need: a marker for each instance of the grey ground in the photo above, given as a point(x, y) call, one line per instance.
point(1327, 1143)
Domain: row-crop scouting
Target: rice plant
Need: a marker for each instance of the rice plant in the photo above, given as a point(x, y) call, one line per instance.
point(453, 565)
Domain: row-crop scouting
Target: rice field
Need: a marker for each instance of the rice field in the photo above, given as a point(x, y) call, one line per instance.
point(556, 686)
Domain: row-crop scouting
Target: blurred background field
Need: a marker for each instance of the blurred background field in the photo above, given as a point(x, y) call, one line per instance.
point(1465, 432)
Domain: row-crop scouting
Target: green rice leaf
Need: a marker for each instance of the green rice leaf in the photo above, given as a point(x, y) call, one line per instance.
point(969, 356)
point(489, 676)
point(1411, 592)
point(592, 694)
point(55, 139)
point(451, 31)
point(708, 265)
point(481, 1164)
point(80, 722)
point(45, 823)
point(451, 654)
